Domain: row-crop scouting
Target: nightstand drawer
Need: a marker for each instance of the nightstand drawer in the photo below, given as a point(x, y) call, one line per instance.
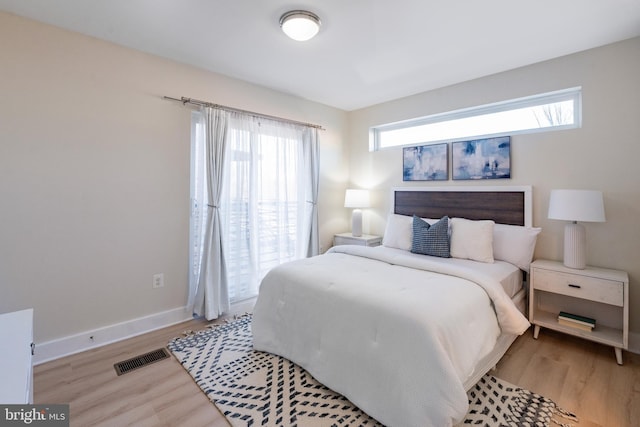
point(575, 285)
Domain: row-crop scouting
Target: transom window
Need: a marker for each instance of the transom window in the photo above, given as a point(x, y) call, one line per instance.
point(543, 112)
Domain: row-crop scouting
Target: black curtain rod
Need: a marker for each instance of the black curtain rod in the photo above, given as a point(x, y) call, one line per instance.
point(192, 101)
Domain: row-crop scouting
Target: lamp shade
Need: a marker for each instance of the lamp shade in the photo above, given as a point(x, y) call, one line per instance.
point(576, 205)
point(356, 199)
point(300, 25)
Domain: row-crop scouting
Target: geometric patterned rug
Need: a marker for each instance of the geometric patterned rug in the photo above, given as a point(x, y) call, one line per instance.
point(494, 402)
point(253, 388)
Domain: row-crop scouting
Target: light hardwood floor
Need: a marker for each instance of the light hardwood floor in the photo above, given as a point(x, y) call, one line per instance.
point(580, 376)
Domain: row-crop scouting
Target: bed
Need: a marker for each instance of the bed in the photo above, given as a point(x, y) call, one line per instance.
point(401, 334)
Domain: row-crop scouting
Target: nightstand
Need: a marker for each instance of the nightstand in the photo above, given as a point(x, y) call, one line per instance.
point(349, 239)
point(597, 293)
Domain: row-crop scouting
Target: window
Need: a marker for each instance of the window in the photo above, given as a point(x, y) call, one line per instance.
point(265, 205)
point(261, 199)
point(548, 111)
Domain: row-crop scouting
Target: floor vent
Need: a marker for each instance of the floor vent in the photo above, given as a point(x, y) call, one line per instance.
point(140, 361)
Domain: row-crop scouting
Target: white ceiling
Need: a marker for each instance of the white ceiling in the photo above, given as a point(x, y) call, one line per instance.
point(367, 51)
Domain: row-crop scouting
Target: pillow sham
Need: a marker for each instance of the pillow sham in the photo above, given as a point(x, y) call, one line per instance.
point(431, 239)
point(397, 233)
point(472, 239)
point(515, 244)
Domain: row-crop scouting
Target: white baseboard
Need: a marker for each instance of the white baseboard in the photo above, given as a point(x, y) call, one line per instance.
point(66, 346)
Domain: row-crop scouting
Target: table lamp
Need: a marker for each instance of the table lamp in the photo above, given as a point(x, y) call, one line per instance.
point(576, 205)
point(356, 199)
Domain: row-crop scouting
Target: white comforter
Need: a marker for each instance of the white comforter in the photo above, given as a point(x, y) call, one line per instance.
point(396, 339)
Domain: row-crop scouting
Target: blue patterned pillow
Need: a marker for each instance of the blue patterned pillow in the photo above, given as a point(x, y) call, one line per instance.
point(431, 239)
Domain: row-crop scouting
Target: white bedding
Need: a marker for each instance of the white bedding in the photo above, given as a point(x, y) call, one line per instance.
point(509, 276)
point(396, 339)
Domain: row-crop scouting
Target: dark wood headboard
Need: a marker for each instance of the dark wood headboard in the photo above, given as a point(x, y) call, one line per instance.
point(505, 205)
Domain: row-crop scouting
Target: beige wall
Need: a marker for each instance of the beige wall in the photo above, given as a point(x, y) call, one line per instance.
point(94, 174)
point(604, 154)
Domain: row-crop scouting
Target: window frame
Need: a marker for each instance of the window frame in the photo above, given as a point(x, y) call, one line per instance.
point(571, 94)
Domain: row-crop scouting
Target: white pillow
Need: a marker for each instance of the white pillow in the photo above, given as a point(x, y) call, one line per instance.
point(515, 244)
point(398, 232)
point(472, 239)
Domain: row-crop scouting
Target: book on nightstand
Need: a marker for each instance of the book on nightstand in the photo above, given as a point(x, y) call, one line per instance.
point(576, 321)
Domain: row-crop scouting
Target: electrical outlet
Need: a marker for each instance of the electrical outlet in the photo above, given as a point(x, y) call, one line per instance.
point(158, 280)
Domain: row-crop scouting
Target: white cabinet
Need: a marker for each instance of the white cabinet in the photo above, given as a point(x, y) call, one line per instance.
point(349, 239)
point(16, 342)
point(597, 293)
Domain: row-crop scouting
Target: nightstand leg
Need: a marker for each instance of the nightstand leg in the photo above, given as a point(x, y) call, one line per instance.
point(618, 355)
point(536, 331)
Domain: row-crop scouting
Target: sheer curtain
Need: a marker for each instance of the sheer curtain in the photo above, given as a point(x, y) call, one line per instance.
point(268, 204)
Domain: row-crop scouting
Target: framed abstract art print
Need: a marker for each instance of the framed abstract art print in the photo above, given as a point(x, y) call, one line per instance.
point(488, 158)
point(426, 163)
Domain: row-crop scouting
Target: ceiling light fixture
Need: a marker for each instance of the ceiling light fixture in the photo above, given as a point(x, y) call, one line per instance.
point(300, 25)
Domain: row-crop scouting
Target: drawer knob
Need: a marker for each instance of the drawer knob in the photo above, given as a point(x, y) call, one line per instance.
point(571, 285)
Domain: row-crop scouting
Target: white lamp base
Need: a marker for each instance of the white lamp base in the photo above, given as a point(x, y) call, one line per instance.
point(356, 223)
point(575, 255)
